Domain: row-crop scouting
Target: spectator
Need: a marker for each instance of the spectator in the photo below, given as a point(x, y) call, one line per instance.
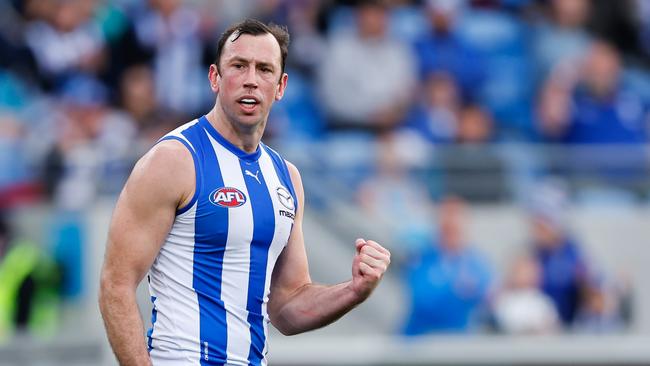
point(564, 268)
point(448, 281)
point(471, 169)
point(137, 93)
point(442, 49)
point(521, 307)
point(366, 78)
point(435, 115)
point(500, 42)
point(138, 100)
point(92, 154)
point(601, 110)
point(172, 31)
point(562, 38)
point(65, 40)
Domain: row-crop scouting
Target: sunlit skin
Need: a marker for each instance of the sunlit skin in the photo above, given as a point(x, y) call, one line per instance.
point(249, 68)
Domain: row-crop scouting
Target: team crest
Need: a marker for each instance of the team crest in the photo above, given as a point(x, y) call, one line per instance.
point(227, 197)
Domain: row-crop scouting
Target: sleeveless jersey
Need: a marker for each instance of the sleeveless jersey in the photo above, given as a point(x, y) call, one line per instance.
point(210, 282)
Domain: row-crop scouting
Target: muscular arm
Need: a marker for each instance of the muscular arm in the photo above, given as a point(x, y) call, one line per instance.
point(142, 218)
point(296, 304)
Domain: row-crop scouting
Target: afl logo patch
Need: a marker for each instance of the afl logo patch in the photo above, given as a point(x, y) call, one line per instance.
point(285, 198)
point(227, 197)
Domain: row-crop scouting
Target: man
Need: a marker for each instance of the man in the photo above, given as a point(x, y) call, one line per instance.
point(216, 218)
point(448, 280)
point(565, 269)
point(377, 69)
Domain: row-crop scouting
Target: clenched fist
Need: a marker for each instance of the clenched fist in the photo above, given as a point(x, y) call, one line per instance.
point(368, 267)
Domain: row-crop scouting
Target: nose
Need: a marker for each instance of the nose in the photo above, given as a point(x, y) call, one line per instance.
point(250, 79)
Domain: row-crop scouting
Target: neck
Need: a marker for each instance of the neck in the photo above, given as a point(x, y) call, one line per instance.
point(245, 138)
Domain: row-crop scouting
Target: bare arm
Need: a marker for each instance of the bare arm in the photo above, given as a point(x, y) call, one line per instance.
point(142, 218)
point(296, 304)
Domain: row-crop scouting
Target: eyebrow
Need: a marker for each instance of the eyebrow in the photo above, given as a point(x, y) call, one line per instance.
point(247, 61)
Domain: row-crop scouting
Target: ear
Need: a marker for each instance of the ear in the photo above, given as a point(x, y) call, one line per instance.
point(214, 77)
point(282, 86)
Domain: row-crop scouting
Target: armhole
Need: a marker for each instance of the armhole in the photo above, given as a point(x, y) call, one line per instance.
point(282, 169)
point(197, 176)
point(285, 167)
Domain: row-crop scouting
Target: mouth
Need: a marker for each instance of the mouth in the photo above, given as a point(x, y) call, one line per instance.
point(248, 103)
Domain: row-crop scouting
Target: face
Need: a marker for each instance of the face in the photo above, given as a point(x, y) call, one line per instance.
point(602, 68)
point(451, 221)
point(251, 79)
point(545, 235)
point(442, 91)
point(474, 126)
point(572, 13)
point(372, 21)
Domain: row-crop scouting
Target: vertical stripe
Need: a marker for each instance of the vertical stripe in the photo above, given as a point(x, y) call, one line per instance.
point(263, 231)
point(282, 172)
point(211, 231)
point(211, 279)
point(283, 228)
point(235, 279)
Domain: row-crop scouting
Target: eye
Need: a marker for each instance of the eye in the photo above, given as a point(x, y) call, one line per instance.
point(238, 66)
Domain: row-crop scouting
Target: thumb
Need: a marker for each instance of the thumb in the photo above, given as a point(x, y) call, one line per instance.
point(359, 243)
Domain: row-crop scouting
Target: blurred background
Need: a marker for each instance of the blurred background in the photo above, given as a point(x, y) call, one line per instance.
point(499, 148)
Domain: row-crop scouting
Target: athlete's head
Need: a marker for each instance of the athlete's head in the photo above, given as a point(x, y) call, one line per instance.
point(248, 73)
point(255, 28)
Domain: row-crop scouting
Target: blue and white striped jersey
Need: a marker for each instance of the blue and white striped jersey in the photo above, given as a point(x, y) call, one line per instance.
point(210, 282)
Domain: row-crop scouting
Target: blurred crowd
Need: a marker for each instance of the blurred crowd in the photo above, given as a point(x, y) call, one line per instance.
point(550, 285)
point(86, 86)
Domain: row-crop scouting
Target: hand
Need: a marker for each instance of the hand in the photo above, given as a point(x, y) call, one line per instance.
point(368, 267)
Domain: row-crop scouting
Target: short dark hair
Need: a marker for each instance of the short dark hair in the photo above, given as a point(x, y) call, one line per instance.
point(255, 28)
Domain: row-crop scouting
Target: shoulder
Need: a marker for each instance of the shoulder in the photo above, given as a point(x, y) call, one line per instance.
point(293, 170)
point(296, 179)
point(166, 158)
point(166, 170)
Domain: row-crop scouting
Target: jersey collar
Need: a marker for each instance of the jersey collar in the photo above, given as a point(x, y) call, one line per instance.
point(254, 156)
